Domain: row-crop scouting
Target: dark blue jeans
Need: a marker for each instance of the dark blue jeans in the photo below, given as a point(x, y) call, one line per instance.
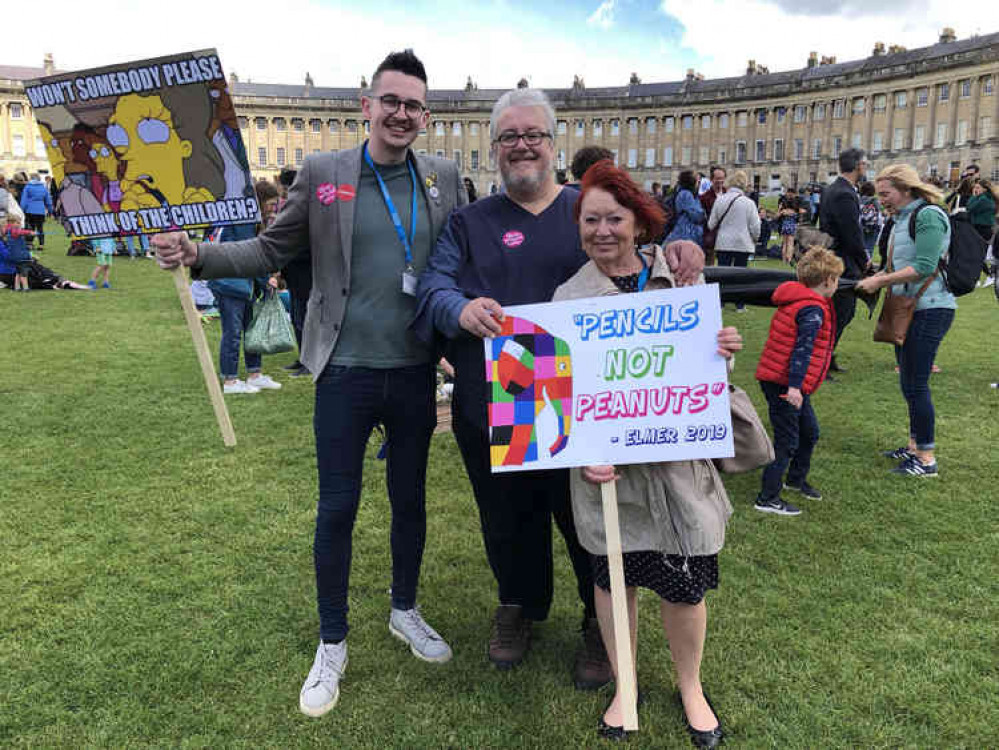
point(796, 431)
point(236, 315)
point(350, 401)
point(915, 359)
point(739, 260)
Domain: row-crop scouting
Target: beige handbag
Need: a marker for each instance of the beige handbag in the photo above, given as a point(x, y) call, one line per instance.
point(753, 447)
point(897, 310)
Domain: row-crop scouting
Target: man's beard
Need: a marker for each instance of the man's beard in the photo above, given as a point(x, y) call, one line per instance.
point(524, 184)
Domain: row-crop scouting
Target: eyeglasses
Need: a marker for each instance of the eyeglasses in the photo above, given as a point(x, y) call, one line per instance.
point(508, 139)
point(391, 103)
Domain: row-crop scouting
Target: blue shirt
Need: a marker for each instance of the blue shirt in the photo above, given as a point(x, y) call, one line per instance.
point(689, 218)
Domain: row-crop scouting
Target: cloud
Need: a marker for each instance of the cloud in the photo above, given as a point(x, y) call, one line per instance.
point(603, 16)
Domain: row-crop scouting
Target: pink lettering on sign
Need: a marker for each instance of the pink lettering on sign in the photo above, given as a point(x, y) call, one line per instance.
point(513, 238)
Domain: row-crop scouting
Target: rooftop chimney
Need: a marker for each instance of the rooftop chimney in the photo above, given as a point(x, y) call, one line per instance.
point(634, 80)
point(813, 59)
point(523, 84)
point(879, 49)
point(751, 68)
point(895, 49)
point(947, 35)
point(233, 78)
point(48, 64)
point(690, 74)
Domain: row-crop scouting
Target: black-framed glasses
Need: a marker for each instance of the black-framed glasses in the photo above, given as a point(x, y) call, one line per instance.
point(391, 103)
point(509, 138)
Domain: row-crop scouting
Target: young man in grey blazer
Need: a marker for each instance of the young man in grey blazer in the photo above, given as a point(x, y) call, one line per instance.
point(370, 216)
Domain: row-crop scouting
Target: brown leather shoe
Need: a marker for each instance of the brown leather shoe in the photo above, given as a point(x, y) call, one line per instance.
point(511, 636)
point(592, 669)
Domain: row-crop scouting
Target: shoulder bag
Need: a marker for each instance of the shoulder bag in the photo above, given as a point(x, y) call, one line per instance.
point(897, 310)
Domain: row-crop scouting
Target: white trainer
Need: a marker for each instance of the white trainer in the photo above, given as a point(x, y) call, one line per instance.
point(321, 689)
point(239, 386)
point(264, 382)
point(426, 644)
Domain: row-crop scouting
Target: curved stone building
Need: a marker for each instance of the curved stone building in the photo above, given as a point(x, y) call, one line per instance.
point(933, 107)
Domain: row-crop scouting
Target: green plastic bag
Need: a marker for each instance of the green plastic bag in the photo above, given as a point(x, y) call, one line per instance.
point(270, 331)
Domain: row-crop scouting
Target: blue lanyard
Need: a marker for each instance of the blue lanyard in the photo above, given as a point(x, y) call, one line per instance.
point(643, 277)
point(407, 242)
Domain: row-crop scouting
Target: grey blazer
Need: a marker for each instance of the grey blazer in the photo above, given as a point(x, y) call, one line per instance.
point(326, 228)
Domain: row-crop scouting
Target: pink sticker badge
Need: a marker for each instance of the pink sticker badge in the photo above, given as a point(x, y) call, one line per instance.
point(326, 193)
point(513, 238)
point(346, 192)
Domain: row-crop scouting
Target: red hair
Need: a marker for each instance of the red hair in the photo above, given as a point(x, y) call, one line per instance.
point(649, 216)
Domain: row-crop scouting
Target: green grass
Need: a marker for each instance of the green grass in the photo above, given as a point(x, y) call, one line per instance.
point(156, 589)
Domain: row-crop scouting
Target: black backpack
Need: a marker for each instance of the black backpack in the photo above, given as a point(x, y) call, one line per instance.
point(961, 265)
point(669, 209)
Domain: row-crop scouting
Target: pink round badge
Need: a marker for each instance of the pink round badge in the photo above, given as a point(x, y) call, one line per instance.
point(513, 238)
point(326, 193)
point(346, 192)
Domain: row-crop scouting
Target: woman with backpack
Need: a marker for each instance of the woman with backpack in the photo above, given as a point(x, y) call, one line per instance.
point(913, 271)
point(688, 223)
point(738, 223)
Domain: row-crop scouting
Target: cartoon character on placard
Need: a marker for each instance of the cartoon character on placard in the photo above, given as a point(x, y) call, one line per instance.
point(144, 132)
point(75, 196)
point(106, 163)
point(223, 131)
point(530, 372)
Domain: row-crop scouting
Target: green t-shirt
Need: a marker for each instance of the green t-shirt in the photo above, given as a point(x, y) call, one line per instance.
point(375, 331)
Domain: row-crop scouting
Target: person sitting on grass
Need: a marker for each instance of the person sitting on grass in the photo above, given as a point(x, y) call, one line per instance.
point(104, 248)
point(17, 251)
point(793, 364)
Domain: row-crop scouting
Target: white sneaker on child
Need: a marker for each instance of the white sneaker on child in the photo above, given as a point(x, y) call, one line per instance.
point(263, 382)
point(239, 386)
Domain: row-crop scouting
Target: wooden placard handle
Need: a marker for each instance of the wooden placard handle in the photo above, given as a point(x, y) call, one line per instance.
point(204, 356)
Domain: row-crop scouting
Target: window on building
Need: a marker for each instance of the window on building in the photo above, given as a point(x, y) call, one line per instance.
point(781, 114)
point(740, 152)
point(39, 146)
point(367, 127)
point(261, 123)
point(670, 124)
point(421, 151)
point(650, 157)
point(280, 124)
point(987, 86)
point(455, 128)
point(688, 122)
point(598, 128)
point(900, 100)
point(761, 150)
point(877, 142)
point(615, 127)
point(16, 111)
point(722, 156)
point(761, 116)
point(705, 122)
point(439, 128)
point(898, 139)
point(650, 125)
point(633, 126)
point(297, 124)
point(922, 97)
point(614, 154)
point(839, 108)
point(919, 137)
point(315, 150)
point(857, 140)
point(817, 148)
point(944, 91)
point(279, 160)
point(456, 155)
point(685, 156)
point(742, 119)
point(819, 112)
point(473, 128)
point(581, 128)
point(244, 122)
point(262, 155)
point(962, 133)
point(778, 149)
point(799, 112)
point(837, 146)
point(351, 126)
point(668, 156)
point(723, 121)
point(880, 103)
point(632, 158)
point(473, 160)
point(316, 126)
point(334, 126)
point(858, 105)
point(560, 127)
point(941, 135)
point(995, 169)
point(965, 88)
point(299, 157)
point(984, 128)
point(560, 159)
point(17, 146)
point(439, 153)
point(799, 149)
point(704, 155)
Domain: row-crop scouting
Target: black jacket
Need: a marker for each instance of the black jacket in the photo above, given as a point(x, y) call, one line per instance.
point(839, 217)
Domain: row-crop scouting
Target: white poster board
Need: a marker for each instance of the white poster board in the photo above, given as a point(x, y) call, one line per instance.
point(621, 379)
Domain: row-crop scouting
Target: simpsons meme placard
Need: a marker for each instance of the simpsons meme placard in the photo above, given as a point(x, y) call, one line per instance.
point(145, 147)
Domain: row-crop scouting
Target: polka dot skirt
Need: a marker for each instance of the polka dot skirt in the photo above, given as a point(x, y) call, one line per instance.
point(664, 574)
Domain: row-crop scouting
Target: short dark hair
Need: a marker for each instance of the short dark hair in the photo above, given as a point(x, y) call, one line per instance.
point(711, 171)
point(586, 157)
point(287, 176)
point(849, 159)
point(867, 189)
point(265, 191)
point(687, 180)
point(405, 62)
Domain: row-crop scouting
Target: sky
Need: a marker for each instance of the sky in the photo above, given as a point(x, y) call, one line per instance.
point(496, 42)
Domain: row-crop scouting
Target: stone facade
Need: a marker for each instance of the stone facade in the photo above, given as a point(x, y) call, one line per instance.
point(935, 108)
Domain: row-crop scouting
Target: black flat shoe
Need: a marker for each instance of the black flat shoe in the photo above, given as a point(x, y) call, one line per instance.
point(616, 734)
point(704, 737)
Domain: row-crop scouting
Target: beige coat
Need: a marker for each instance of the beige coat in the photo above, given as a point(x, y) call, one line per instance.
point(676, 507)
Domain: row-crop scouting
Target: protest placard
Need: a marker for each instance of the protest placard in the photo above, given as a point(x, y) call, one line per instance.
point(609, 380)
point(145, 147)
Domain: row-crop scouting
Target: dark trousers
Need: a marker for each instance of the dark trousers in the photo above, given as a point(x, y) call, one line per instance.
point(915, 362)
point(738, 260)
point(796, 431)
point(299, 304)
point(844, 303)
point(516, 511)
point(36, 223)
point(350, 401)
point(236, 315)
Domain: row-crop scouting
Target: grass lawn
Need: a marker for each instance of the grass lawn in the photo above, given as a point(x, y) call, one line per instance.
point(156, 589)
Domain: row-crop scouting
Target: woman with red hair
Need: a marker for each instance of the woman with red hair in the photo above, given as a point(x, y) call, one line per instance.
point(672, 514)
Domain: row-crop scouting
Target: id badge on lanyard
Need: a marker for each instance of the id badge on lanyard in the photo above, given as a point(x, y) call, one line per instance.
point(409, 276)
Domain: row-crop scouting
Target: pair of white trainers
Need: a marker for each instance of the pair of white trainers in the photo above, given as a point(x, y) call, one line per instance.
point(252, 385)
point(321, 689)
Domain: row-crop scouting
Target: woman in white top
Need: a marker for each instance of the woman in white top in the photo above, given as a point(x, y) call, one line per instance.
point(738, 221)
